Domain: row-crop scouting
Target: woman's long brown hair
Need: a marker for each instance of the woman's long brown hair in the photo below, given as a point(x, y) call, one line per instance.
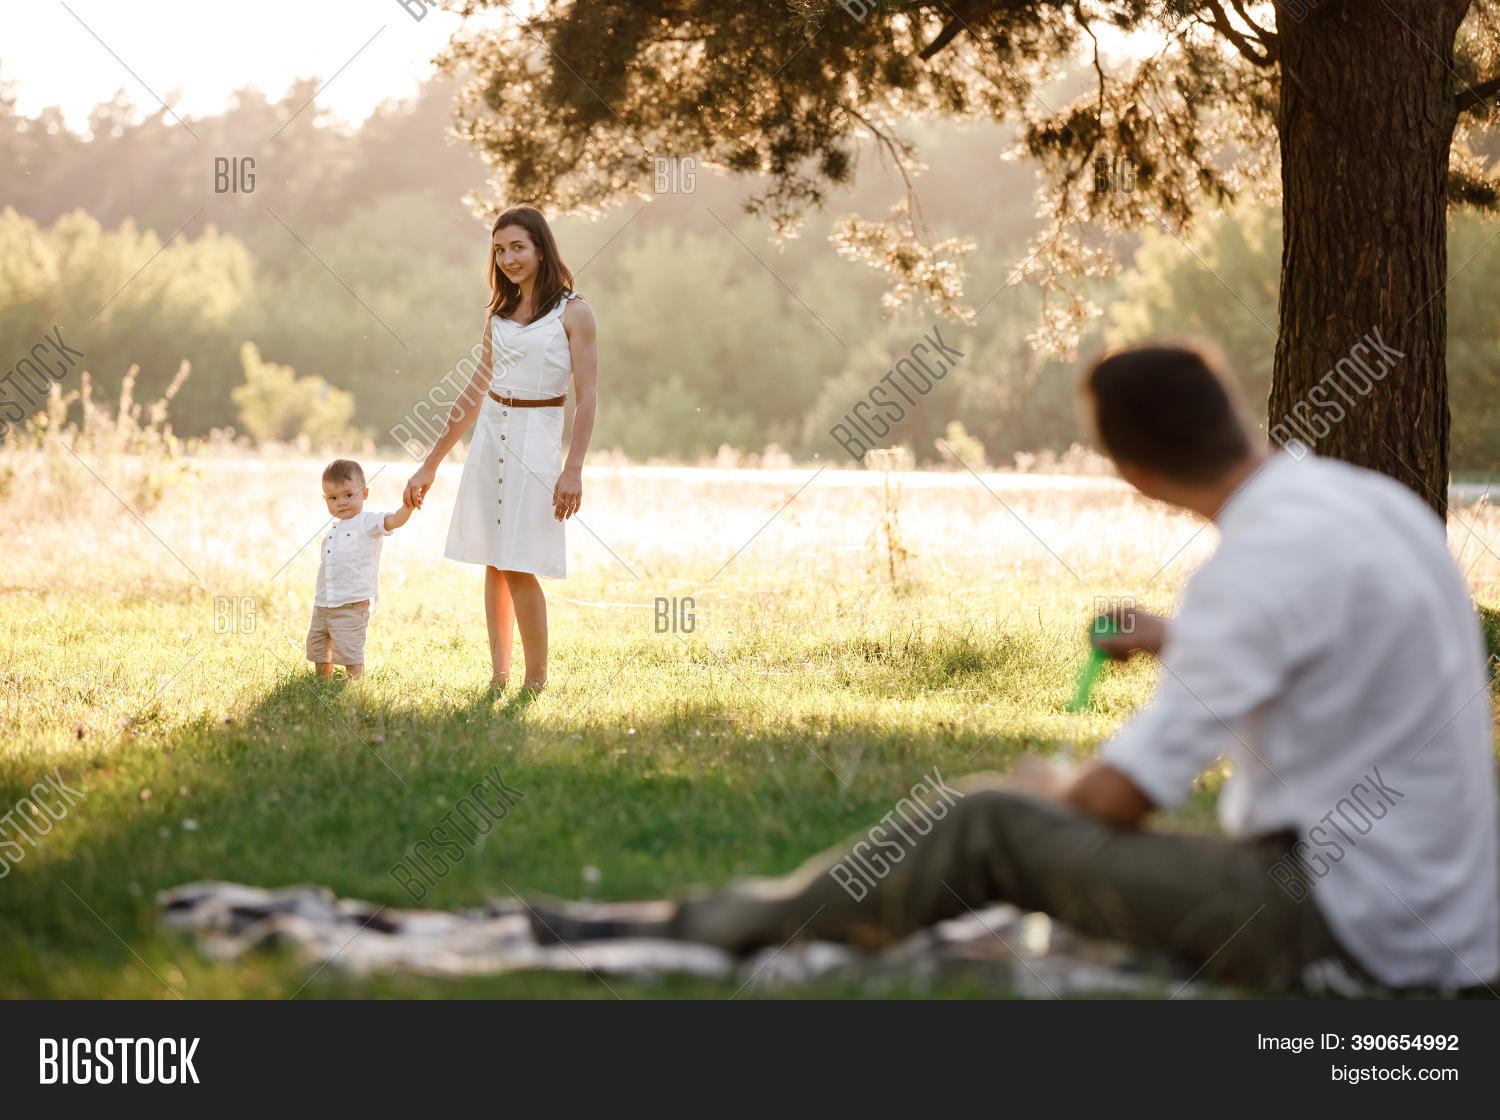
point(553, 277)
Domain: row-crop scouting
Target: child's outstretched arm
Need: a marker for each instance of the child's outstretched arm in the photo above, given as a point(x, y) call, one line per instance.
point(397, 519)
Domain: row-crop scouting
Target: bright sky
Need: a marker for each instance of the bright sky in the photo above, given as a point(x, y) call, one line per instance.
point(63, 52)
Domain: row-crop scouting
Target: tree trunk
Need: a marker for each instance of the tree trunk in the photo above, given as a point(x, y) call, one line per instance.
point(1366, 121)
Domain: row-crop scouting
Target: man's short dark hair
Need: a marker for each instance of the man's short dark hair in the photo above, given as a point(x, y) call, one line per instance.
point(345, 470)
point(1171, 409)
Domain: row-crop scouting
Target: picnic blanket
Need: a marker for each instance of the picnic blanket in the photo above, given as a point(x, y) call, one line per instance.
point(1000, 947)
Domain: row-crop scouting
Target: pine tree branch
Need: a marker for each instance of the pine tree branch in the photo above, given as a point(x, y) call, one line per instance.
point(1269, 38)
point(1224, 27)
point(944, 37)
point(1475, 96)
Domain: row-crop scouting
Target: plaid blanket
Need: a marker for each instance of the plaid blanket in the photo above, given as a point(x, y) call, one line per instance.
point(1000, 947)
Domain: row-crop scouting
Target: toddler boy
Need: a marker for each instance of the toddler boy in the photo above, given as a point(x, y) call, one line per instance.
point(348, 571)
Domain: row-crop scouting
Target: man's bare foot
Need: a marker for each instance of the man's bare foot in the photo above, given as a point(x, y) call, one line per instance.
point(534, 687)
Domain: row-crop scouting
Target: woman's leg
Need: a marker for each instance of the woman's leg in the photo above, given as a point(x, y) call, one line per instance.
point(530, 609)
point(500, 616)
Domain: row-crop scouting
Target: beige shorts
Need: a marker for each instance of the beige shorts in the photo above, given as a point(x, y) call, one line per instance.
point(337, 634)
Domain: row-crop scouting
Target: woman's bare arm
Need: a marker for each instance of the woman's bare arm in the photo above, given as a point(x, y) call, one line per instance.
point(578, 321)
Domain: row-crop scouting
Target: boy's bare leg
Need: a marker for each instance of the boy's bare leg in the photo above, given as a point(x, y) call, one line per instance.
point(500, 617)
point(530, 606)
point(325, 668)
point(354, 671)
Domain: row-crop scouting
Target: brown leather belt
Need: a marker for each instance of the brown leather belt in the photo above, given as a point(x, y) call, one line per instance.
point(512, 402)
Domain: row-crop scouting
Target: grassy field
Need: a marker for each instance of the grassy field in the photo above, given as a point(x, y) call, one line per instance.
point(845, 641)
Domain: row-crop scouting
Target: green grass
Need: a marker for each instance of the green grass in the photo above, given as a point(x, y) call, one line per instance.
point(812, 695)
point(663, 762)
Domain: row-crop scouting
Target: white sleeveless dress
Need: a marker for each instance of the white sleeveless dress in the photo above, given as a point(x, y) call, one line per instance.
point(502, 514)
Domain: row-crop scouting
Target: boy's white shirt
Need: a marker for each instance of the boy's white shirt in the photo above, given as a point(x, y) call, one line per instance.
point(349, 562)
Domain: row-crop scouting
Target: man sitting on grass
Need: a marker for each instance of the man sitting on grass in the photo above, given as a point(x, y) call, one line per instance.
point(1328, 649)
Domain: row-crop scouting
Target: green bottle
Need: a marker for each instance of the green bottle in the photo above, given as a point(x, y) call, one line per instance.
point(1088, 672)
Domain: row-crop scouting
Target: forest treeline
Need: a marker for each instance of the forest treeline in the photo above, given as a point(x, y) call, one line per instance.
point(331, 297)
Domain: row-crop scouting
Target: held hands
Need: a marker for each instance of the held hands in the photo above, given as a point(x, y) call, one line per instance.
point(417, 486)
point(1136, 631)
point(567, 495)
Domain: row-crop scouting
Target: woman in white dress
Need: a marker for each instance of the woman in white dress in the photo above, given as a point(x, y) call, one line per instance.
point(517, 491)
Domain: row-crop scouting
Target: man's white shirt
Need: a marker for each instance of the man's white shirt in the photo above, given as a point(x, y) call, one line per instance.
point(1330, 651)
point(349, 567)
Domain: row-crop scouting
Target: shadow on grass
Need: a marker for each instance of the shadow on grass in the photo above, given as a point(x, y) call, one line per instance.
point(330, 782)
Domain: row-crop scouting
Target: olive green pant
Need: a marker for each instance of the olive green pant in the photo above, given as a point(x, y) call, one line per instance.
point(1207, 901)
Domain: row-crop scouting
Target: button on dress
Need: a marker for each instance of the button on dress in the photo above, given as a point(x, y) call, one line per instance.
point(502, 514)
